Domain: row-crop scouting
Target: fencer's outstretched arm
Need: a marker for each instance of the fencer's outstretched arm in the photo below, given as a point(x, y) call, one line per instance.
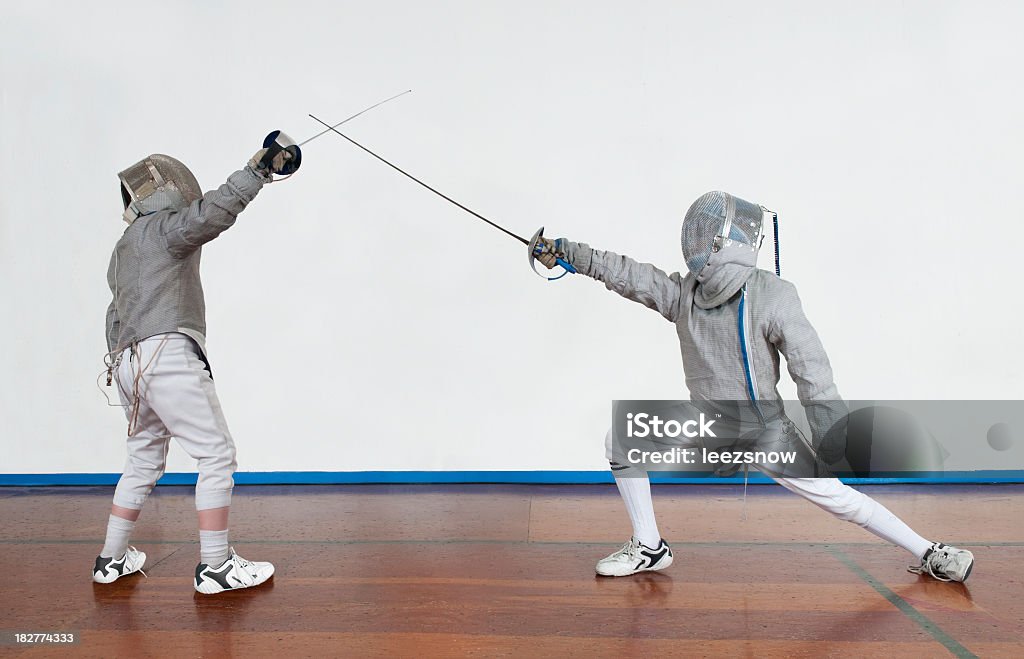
point(640, 282)
point(210, 215)
point(808, 364)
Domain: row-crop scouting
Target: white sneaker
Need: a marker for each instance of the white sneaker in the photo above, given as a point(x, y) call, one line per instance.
point(107, 570)
point(235, 573)
point(635, 557)
point(945, 563)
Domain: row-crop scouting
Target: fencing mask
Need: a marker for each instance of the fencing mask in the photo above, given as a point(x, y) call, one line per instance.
point(717, 221)
point(156, 183)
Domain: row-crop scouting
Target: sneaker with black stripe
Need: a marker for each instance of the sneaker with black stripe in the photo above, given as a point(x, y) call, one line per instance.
point(634, 557)
point(108, 570)
point(234, 574)
point(945, 563)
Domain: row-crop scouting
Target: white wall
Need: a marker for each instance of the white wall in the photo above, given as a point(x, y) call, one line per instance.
point(356, 322)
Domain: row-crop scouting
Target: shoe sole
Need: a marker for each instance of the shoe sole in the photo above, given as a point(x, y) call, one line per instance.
point(657, 567)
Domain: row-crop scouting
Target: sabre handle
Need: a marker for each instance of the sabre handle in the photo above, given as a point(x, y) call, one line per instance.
point(534, 249)
point(565, 264)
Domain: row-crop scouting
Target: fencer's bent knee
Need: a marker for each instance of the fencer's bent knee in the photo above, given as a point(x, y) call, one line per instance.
point(138, 480)
point(141, 466)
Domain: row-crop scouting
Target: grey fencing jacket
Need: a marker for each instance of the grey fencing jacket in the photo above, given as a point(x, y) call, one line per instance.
point(706, 316)
point(154, 270)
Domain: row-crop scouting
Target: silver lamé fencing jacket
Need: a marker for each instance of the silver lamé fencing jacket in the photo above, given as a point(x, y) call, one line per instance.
point(154, 270)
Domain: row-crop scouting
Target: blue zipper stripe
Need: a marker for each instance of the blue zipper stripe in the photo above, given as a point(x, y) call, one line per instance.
point(743, 347)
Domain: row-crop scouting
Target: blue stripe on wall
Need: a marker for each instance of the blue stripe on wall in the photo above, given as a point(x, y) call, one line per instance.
point(565, 477)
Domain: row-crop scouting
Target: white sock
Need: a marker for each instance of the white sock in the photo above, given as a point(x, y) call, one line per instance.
point(636, 493)
point(213, 547)
point(890, 527)
point(119, 530)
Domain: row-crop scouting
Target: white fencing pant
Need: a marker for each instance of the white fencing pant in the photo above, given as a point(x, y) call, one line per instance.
point(836, 497)
point(173, 396)
point(849, 505)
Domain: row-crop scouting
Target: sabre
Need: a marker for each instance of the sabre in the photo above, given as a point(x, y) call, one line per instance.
point(278, 141)
point(531, 243)
point(330, 128)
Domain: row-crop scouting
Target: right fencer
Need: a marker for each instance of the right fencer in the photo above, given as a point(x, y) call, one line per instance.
point(733, 321)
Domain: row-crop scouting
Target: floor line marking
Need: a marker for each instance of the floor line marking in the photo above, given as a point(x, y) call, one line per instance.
point(904, 607)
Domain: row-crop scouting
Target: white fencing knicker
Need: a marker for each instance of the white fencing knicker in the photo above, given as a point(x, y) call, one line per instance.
point(836, 497)
point(168, 392)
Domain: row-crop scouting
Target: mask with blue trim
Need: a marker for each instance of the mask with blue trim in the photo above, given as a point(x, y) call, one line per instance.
point(717, 220)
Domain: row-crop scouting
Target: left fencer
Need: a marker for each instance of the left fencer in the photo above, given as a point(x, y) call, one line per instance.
point(156, 328)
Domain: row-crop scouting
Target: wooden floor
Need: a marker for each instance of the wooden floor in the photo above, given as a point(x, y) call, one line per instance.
point(495, 570)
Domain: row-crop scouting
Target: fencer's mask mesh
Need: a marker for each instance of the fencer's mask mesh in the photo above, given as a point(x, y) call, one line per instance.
point(155, 183)
point(717, 220)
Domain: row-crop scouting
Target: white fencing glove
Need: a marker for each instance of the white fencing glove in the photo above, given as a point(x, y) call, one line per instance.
point(275, 165)
point(547, 251)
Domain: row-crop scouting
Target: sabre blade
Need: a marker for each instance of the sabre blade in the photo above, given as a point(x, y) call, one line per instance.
point(329, 128)
point(435, 191)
